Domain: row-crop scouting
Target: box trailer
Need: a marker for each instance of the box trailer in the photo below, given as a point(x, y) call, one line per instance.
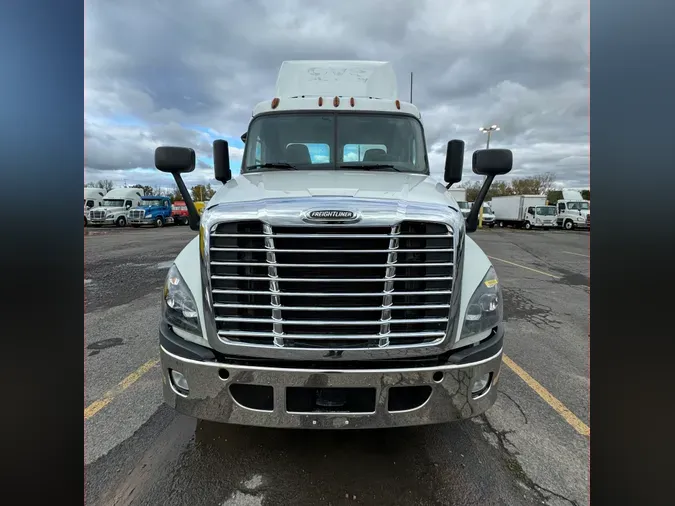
point(527, 211)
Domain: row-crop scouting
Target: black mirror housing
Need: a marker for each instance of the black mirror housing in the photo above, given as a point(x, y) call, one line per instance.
point(221, 161)
point(492, 162)
point(175, 159)
point(454, 162)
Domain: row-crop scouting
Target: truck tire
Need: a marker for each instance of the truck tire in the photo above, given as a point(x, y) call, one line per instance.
point(121, 222)
point(501, 224)
point(569, 225)
point(159, 221)
point(528, 225)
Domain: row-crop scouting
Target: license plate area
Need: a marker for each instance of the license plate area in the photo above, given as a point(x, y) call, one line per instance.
point(330, 400)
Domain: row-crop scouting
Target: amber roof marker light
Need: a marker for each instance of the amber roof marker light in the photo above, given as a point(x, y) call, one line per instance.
point(275, 103)
point(336, 101)
point(320, 101)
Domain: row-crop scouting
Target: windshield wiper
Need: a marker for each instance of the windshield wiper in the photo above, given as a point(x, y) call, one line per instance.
point(372, 166)
point(277, 165)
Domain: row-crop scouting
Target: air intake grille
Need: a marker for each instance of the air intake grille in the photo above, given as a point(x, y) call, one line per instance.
point(331, 287)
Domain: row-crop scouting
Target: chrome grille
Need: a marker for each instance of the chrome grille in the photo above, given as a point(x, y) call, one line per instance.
point(137, 214)
point(97, 215)
point(331, 287)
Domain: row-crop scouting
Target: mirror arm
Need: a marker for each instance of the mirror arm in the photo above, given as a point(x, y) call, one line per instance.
point(472, 219)
point(192, 210)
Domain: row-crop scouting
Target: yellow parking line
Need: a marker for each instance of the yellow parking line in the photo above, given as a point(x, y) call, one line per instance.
point(528, 268)
point(577, 254)
point(558, 406)
point(101, 403)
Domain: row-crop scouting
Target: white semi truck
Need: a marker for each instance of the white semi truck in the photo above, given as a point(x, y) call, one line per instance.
point(573, 211)
point(327, 290)
point(93, 197)
point(526, 211)
point(115, 208)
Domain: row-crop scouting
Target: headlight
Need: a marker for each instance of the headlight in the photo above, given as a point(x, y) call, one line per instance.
point(110, 216)
point(179, 306)
point(485, 308)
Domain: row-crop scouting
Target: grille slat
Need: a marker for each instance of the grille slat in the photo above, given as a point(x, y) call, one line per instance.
point(274, 286)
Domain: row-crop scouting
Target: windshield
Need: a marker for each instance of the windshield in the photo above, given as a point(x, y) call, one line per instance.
point(464, 205)
point(546, 211)
point(487, 210)
point(113, 202)
point(315, 141)
point(153, 202)
point(579, 206)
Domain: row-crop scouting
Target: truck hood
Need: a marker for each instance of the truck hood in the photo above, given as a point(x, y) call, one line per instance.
point(332, 183)
point(146, 208)
point(109, 210)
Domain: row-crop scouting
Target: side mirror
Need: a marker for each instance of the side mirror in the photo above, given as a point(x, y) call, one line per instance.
point(454, 162)
point(174, 159)
point(492, 162)
point(221, 161)
point(127, 207)
point(243, 137)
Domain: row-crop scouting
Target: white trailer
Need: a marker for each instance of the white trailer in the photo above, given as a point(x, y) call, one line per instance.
point(459, 194)
point(527, 211)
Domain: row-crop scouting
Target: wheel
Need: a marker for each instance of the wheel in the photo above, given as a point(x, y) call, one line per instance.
point(501, 224)
point(528, 225)
point(159, 221)
point(121, 222)
point(569, 225)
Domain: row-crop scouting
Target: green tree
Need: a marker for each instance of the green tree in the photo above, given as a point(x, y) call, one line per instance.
point(147, 190)
point(586, 194)
point(106, 184)
point(535, 185)
point(553, 196)
point(201, 193)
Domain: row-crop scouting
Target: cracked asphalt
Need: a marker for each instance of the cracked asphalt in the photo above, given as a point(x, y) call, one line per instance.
point(522, 451)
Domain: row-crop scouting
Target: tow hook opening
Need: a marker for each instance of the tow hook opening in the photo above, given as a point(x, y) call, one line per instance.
point(481, 386)
point(330, 400)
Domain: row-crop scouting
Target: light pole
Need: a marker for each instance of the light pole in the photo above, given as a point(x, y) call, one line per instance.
point(488, 131)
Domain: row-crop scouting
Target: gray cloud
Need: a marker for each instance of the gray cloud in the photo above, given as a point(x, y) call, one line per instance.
point(521, 64)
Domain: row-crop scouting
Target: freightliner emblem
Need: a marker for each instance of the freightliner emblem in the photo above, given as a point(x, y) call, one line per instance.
point(331, 215)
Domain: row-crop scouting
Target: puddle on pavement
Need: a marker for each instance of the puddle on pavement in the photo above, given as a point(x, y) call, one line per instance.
point(165, 265)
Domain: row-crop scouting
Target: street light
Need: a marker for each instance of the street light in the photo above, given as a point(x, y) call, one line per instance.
point(488, 131)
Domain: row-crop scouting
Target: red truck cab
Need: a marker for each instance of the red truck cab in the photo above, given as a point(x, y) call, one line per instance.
point(180, 212)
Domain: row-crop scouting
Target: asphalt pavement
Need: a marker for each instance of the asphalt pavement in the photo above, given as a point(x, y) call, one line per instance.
point(531, 447)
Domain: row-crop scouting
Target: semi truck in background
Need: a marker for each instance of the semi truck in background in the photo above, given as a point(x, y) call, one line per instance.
point(155, 211)
point(179, 211)
point(93, 197)
point(334, 292)
point(572, 211)
point(488, 215)
point(115, 207)
point(523, 211)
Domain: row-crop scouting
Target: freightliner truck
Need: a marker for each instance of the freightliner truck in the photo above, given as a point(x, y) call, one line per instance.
point(333, 283)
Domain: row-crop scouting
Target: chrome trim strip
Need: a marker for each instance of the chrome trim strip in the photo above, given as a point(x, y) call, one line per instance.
point(386, 280)
point(259, 250)
point(277, 326)
point(341, 308)
point(336, 322)
point(342, 266)
point(329, 336)
point(332, 294)
point(337, 236)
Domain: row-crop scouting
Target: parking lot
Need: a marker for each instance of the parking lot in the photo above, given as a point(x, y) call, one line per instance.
point(531, 447)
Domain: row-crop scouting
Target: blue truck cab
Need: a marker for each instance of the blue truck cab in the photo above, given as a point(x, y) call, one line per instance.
point(155, 211)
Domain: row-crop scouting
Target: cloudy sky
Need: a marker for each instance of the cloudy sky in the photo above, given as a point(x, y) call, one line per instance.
point(184, 72)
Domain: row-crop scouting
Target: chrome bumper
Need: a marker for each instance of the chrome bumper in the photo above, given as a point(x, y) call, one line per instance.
point(210, 397)
point(140, 221)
